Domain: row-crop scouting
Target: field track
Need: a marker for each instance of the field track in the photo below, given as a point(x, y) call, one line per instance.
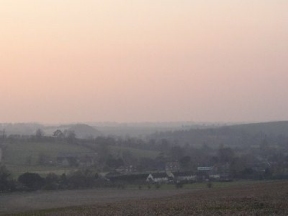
point(259, 198)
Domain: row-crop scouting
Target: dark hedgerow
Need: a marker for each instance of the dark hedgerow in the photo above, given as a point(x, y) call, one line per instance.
point(33, 181)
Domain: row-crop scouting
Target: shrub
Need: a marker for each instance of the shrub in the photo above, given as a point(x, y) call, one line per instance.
point(32, 181)
point(81, 179)
point(6, 183)
point(52, 182)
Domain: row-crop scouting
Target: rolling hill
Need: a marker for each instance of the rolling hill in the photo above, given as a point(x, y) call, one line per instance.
point(234, 135)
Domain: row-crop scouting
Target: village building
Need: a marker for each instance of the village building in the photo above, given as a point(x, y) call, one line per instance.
point(164, 177)
point(185, 177)
point(206, 173)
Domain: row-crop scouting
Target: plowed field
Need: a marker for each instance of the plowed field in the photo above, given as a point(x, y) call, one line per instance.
point(259, 198)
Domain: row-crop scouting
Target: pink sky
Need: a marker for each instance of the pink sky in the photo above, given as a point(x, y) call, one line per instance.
point(135, 60)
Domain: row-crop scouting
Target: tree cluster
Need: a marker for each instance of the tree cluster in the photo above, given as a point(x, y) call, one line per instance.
point(33, 181)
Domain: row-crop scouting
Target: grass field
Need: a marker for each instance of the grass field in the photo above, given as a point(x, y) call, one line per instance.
point(135, 152)
point(18, 153)
point(23, 157)
point(247, 198)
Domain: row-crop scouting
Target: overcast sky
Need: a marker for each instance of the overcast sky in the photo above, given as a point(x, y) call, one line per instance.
point(143, 60)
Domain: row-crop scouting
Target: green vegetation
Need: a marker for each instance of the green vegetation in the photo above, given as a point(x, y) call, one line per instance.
point(39, 154)
point(128, 160)
point(18, 153)
point(117, 150)
point(214, 167)
point(24, 156)
point(17, 170)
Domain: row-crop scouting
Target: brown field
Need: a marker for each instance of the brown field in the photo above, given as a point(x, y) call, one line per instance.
point(259, 198)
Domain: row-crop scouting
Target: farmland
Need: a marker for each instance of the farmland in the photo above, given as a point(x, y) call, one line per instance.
point(18, 154)
point(253, 198)
point(135, 152)
point(24, 156)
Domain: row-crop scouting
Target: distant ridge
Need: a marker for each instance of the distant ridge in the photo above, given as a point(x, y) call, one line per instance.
point(20, 128)
point(232, 135)
point(84, 131)
point(269, 128)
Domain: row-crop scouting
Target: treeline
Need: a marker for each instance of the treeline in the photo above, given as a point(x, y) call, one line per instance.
point(79, 179)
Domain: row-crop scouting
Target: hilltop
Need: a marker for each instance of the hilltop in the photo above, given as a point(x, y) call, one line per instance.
point(232, 135)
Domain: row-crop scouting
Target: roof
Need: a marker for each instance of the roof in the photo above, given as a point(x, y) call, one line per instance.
point(159, 175)
point(204, 168)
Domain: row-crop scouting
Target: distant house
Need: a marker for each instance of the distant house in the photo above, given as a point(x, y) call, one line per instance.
point(185, 176)
point(160, 177)
point(218, 173)
point(204, 169)
point(204, 173)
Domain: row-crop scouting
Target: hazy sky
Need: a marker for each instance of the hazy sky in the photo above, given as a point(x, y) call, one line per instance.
point(143, 60)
